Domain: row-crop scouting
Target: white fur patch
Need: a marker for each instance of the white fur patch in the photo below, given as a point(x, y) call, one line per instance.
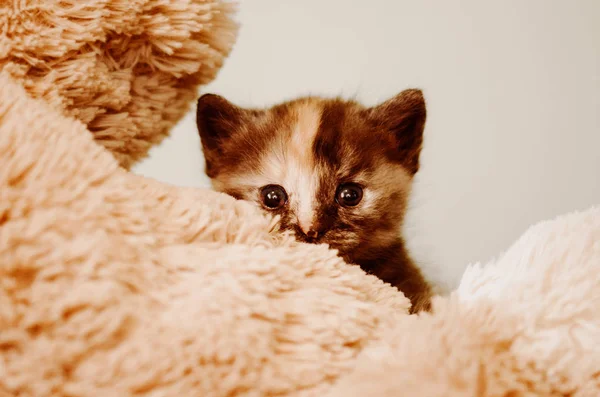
point(292, 164)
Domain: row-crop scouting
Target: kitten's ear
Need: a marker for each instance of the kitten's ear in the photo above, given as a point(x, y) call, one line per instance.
point(404, 115)
point(217, 119)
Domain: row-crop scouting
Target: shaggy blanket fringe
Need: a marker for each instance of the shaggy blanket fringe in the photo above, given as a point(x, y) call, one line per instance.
point(114, 64)
point(116, 285)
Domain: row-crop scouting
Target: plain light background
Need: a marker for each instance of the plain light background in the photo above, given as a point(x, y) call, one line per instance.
point(513, 92)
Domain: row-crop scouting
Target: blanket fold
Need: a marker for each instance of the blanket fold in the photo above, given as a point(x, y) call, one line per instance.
point(112, 284)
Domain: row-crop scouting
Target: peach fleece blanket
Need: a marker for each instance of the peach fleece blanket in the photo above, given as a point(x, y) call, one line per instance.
point(115, 285)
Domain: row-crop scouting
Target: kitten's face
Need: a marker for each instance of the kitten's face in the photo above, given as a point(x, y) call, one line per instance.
point(335, 171)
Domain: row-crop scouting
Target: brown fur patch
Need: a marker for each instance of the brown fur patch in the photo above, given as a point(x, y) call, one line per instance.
point(310, 147)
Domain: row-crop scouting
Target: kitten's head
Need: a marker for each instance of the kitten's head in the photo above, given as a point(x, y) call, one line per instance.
point(335, 171)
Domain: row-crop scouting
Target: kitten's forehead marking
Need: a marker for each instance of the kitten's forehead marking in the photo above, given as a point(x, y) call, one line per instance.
point(301, 174)
point(307, 118)
point(290, 160)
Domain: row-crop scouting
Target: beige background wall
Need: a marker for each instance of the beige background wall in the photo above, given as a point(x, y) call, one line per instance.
point(513, 89)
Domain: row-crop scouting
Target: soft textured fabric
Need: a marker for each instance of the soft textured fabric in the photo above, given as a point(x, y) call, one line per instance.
point(116, 285)
point(114, 64)
point(111, 284)
point(526, 324)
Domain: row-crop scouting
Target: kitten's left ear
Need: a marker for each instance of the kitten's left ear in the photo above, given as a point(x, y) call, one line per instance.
point(404, 115)
point(217, 120)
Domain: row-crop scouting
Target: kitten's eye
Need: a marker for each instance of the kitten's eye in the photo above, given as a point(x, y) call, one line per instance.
point(349, 194)
point(273, 196)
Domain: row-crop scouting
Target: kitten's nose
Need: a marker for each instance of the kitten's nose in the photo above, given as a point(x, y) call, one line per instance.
point(312, 233)
point(309, 231)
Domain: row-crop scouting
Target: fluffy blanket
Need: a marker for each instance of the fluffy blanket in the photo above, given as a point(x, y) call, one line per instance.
point(116, 285)
point(128, 69)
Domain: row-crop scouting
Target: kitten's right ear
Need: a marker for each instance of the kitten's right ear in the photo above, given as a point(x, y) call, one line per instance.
point(217, 119)
point(404, 115)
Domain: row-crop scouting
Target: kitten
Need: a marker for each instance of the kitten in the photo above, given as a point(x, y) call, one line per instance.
point(335, 171)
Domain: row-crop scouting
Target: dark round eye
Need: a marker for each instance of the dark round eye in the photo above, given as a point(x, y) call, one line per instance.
point(349, 194)
point(273, 196)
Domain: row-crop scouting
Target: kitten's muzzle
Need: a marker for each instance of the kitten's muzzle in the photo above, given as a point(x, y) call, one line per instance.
point(309, 230)
point(311, 235)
